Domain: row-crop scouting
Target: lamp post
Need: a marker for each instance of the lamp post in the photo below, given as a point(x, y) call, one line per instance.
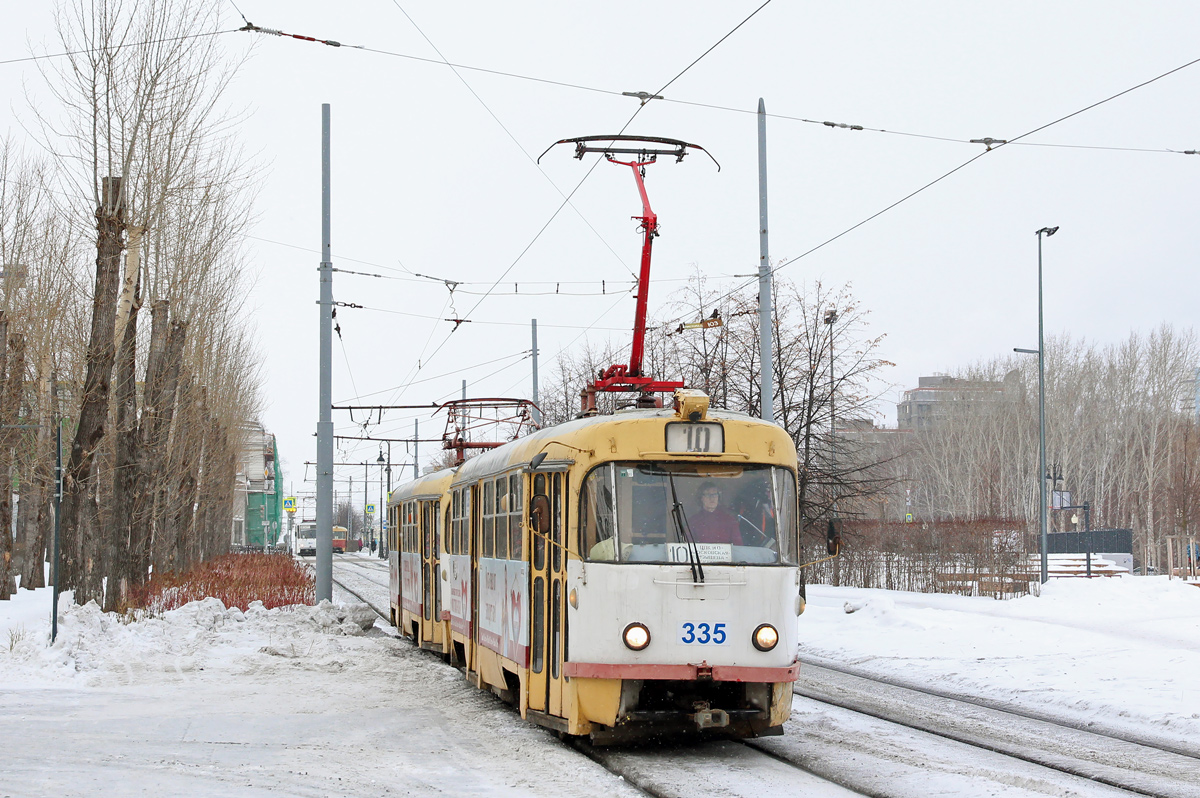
point(1041, 353)
point(831, 316)
point(382, 512)
point(1087, 526)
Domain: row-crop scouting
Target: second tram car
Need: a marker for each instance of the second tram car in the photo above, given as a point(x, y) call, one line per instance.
point(621, 576)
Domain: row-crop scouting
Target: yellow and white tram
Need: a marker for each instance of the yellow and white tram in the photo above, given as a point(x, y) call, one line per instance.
point(618, 576)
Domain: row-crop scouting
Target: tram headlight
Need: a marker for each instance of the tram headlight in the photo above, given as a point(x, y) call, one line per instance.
point(636, 636)
point(765, 637)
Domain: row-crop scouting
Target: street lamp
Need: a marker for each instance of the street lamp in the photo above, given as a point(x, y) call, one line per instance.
point(383, 510)
point(1041, 353)
point(831, 316)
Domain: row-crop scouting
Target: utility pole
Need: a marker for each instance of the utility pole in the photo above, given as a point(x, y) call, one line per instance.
point(464, 395)
point(537, 413)
point(366, 500)
point(325, 391)
point(767, 390)
point(416, 446)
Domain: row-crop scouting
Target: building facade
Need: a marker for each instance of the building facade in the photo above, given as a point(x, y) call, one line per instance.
point(925, 406)
point(259, 495)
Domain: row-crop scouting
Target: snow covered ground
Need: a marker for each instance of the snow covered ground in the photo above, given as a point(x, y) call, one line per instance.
point(1120, 653)
point(204, 701)
point(300, 701)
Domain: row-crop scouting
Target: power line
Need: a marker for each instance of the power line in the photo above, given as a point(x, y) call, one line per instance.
point(991, 148)
point(509, 133)
point(115, 47)
point(480, 321)
point(522, 355)
point(587, 174)
point(710, 49)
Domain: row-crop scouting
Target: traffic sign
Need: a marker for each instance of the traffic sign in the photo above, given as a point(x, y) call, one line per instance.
point(908, 518)
point(289, 504)
point(371, 509)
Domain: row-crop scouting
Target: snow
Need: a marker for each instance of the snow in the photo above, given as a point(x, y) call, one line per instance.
point(207, 701)
point(210, 701)
point(1120, 653)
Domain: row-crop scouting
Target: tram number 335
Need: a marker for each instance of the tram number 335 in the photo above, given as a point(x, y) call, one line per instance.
point(704, 634)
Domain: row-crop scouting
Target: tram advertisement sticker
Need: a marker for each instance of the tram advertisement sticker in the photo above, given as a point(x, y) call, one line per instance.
point(503, 590)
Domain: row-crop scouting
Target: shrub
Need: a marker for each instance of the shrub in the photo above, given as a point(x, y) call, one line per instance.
point(235, 579)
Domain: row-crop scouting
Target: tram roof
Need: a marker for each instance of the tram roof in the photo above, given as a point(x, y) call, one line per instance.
point(584, 432)
point(426, 485)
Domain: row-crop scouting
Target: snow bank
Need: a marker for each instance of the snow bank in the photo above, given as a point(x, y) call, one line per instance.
point(94, 646)
point(1122, 651)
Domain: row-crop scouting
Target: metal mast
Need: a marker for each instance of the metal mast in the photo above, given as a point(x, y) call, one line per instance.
point(325, 400)
point(767, 399)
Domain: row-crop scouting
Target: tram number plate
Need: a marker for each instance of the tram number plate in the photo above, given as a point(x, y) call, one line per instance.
point(695, 437)
point(703, 633)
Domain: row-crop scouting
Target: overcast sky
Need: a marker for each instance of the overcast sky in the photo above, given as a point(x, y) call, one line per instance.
point(433, 174)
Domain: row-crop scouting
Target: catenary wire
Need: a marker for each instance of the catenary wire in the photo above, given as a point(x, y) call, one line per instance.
point(513, 138)
point(438, 376)
point(117, 46)
point(587, 174)
point(935, 181)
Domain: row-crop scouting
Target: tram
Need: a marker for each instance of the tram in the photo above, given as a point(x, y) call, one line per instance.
point(620, 577)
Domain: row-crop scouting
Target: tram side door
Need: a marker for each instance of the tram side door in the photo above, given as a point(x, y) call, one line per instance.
point(547, 617)
point(428, 518)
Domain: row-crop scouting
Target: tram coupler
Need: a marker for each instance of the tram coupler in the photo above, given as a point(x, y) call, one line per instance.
point(706, 718)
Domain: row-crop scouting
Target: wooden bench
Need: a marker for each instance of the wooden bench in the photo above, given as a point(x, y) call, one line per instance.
point(971, 583)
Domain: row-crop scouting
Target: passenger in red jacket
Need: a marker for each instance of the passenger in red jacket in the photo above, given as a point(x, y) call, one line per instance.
point(711, 524)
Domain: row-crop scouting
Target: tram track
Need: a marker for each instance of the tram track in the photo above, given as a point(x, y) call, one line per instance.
point(1190, 752)
point(1129, 765)
point(727, 769)
point(804, 764)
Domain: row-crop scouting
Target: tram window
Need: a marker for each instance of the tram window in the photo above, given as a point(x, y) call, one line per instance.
point(654, 512)
point(489, 521)
point(501, 495)
point(427, 516)
point(515, 520)
point(466, 521)
point(556, 530)
point(785, 503)
point(539, 623)
point(555, 626)
point(537, 540)
point(598, 515)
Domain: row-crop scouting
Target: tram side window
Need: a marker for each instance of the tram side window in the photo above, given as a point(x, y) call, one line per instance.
point(412, 527)
point(460, 538)
point(501, 518)
point(402, 517)
point(461, 543)
point(489, 521)
point(597, 515)
point(515, 521)
point(463, 521)
point(557, 531)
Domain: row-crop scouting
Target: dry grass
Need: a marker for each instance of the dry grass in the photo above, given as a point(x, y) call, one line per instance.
point(236, 579)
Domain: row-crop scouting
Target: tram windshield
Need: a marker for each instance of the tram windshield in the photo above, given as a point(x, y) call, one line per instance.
point(672, 512)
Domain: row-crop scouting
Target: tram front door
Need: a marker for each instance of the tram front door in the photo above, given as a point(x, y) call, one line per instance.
point(548, 565)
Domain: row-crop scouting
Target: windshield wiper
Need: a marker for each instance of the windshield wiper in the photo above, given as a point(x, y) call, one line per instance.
point(685, 532)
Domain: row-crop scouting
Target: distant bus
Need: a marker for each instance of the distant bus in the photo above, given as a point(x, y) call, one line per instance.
point(306, 539)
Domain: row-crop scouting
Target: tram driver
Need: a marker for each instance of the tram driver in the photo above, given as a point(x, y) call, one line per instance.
point(711, 523)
